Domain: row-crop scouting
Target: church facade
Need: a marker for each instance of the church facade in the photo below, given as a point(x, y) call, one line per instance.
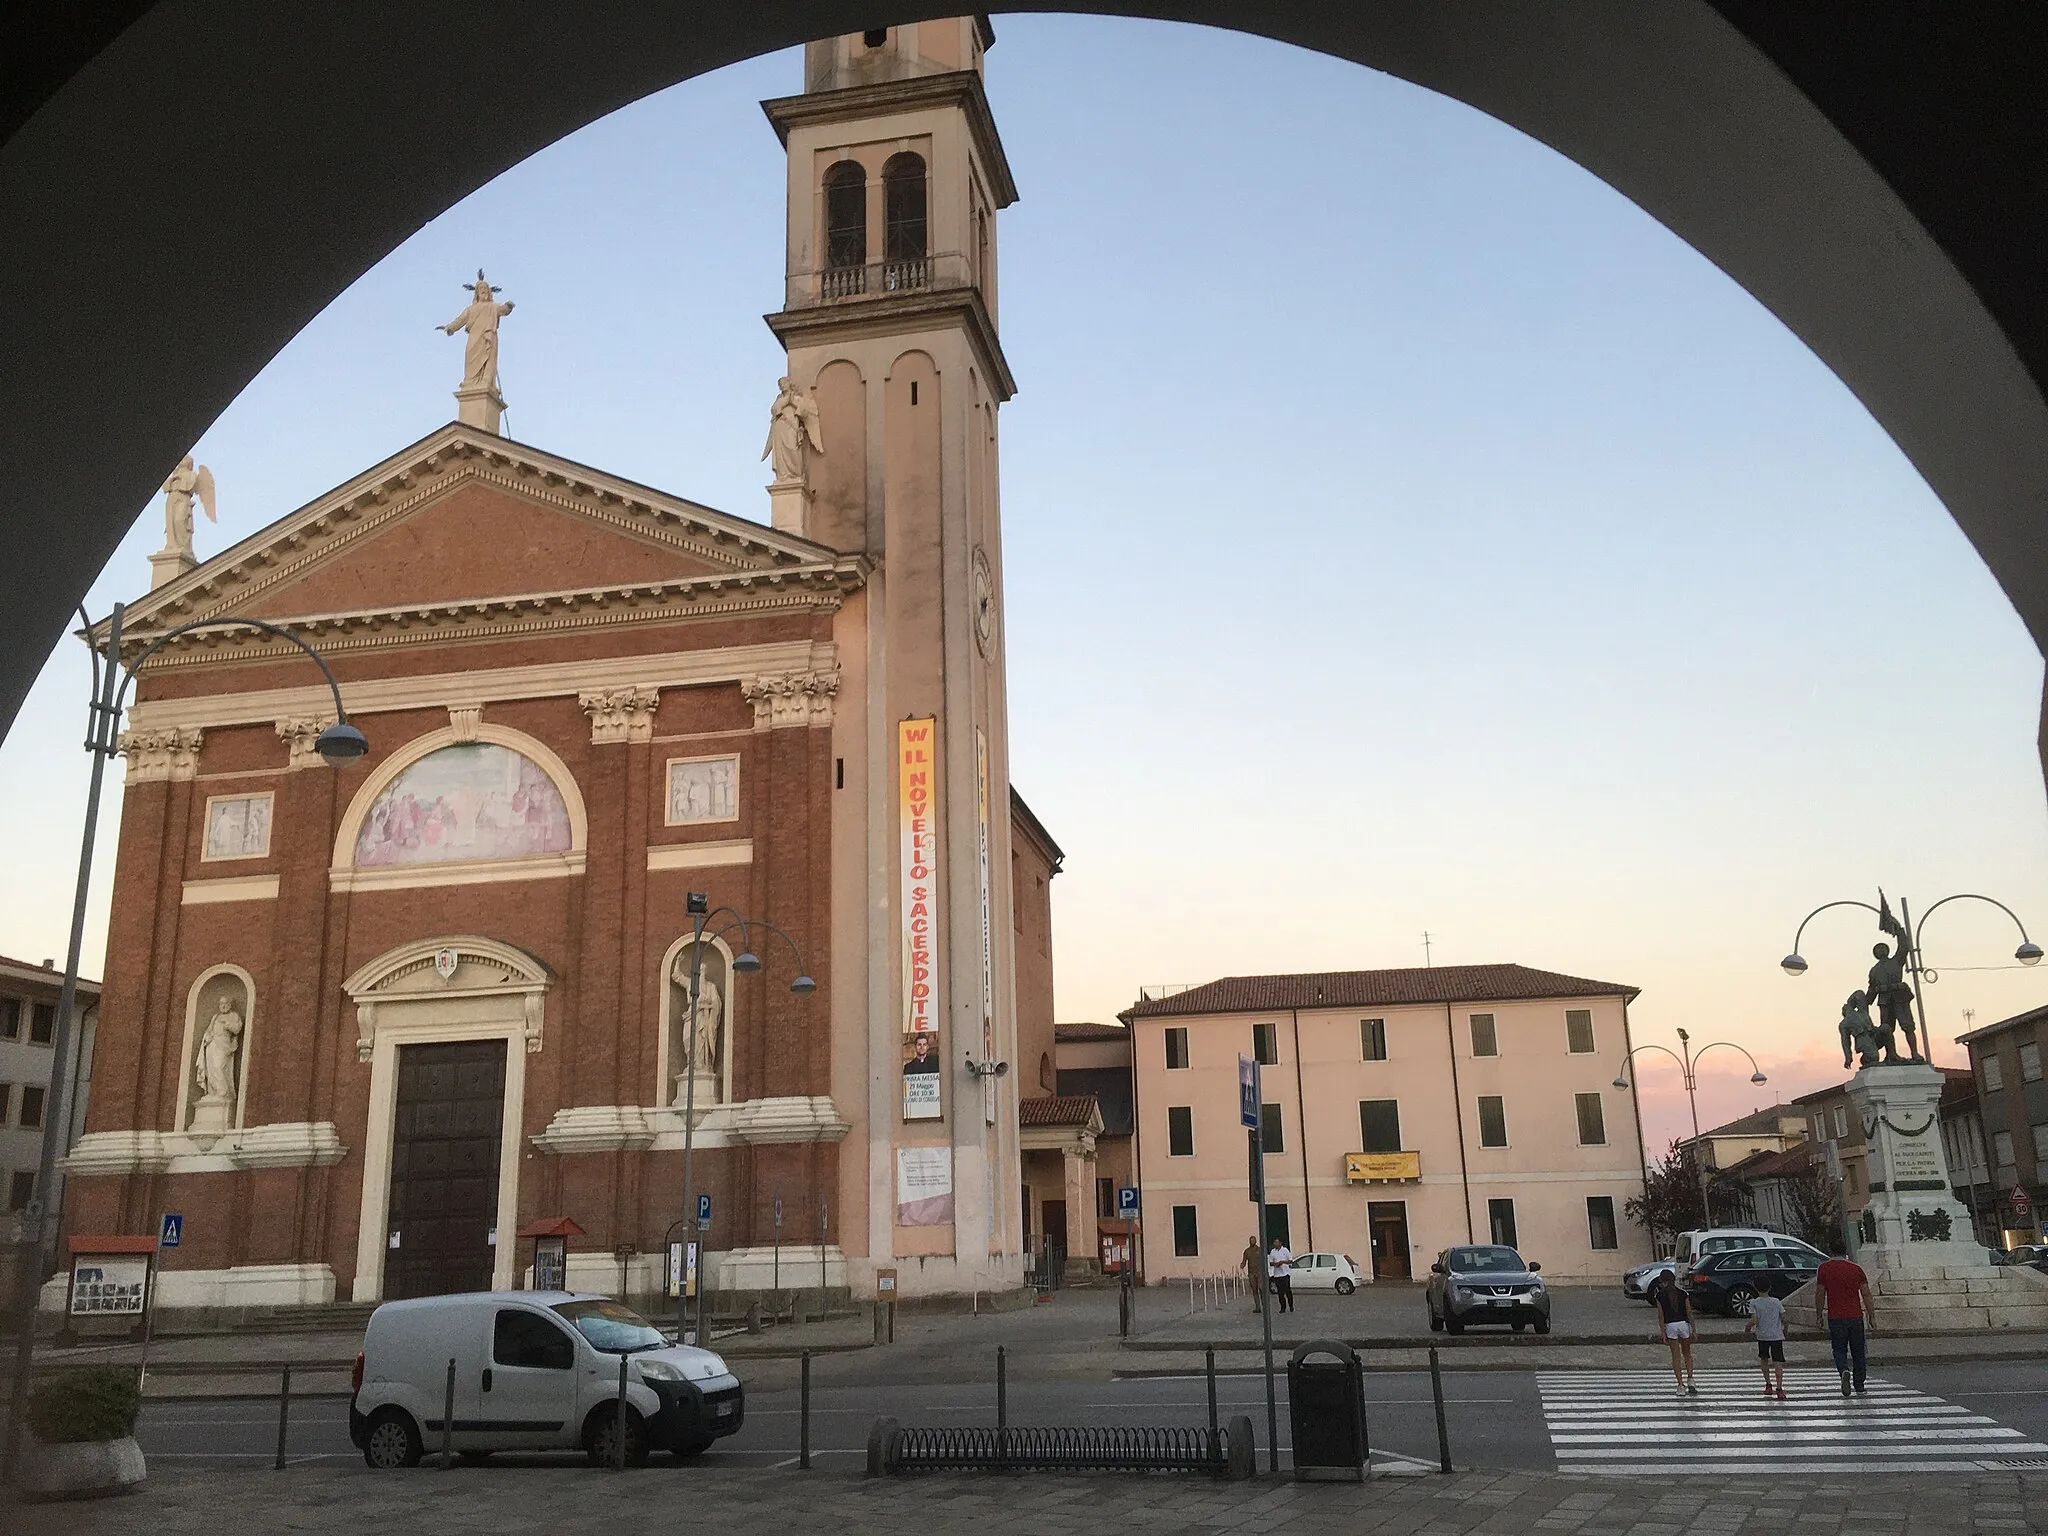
point(364, 1025)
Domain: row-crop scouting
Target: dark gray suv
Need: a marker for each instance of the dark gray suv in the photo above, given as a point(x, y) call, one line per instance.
point(1485, 1283)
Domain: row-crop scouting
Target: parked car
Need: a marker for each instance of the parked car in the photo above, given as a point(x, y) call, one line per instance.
point(534, 1371)
point(1694, 1246)
point(1727, 1282)
point(1326, 1272)
point(1485, 1283)
point(1636, 1283)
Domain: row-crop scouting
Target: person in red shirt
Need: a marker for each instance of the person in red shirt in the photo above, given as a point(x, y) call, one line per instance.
point(1841, 1298)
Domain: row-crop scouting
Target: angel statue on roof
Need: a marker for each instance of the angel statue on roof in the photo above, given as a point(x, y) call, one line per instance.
point(187, 481)
point(480, 319)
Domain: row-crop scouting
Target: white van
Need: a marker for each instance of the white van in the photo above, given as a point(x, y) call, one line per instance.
point(534, 1371)
point(1694, 1246)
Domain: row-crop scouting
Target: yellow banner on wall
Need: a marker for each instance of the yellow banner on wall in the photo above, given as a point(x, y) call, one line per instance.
point(1375, 1167)
point(918, 814)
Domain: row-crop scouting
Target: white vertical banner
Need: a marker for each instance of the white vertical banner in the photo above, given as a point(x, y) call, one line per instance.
point(917, 810)
point(988, 947)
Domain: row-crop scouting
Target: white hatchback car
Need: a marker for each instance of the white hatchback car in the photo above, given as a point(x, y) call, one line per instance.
point(534, 1371)
point(1326, 1272)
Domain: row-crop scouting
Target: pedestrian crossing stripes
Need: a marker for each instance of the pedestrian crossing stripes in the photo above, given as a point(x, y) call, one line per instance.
point(1636, 1424)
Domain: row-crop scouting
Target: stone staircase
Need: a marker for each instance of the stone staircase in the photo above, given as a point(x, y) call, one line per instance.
point(1955, 1291)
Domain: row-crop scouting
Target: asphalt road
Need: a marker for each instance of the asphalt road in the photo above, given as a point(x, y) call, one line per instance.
point(1495, 1418)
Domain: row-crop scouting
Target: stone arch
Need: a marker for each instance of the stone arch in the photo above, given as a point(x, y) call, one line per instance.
point(669, 1049)
point(343, 869)
point(483, 969)
point(201, 999)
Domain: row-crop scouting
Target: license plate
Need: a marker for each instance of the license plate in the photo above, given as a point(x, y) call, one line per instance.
point(1502, 1301)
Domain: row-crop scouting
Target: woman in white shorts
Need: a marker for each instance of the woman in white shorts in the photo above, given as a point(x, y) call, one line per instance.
point(1674, 1312)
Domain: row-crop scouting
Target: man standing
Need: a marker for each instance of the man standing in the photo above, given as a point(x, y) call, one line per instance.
point(1841, 1297)
point(1280, 1265)
point(1767, 1322)
point(1254, 1270)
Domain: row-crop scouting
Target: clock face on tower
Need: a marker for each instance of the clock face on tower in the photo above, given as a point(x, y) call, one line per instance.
point(984, 603)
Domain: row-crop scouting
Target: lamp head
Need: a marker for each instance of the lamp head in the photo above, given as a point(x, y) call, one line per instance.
point(1758, 1078)
point(343, 743)
point(2028, 953)
point(803, 985)
point(1620, 1080)
point(696, 904)
point(746, 962)
point(1793, 965)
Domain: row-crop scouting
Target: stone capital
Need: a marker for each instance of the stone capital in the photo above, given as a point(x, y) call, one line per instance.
point(165, 752)
point(620, 714)
point(300, 735)
point(786, 699)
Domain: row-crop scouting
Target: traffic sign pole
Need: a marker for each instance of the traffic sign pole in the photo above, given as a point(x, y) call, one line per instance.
point(1248, 1101)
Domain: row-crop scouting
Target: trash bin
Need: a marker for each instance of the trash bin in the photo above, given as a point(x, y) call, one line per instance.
point(1326, 1409)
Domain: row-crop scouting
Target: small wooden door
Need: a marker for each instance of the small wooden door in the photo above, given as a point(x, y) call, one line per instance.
point(1055, 1214)
point(1388, 1222)
point(445, 1131)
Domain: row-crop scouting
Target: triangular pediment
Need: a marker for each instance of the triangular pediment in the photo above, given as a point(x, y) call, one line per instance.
point(464, 522)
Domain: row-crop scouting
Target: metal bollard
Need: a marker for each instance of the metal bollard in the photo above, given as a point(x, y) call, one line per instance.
point(803, 1453)
point(448, 1421)
point(1436, 1391)
point(284, 1413)
point(1002, 1408)
point(1209, 1356)
point(619, 1449)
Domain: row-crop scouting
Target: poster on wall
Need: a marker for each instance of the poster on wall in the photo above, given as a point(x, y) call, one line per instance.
point(114, 1283)
point(924, 1186)
point(921, 1077)
point(917, 812)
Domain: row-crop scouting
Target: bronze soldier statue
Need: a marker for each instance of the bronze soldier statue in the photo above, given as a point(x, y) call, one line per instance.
point(1889, 989)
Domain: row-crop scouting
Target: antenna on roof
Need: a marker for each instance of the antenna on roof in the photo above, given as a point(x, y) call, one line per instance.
point(1425, 949)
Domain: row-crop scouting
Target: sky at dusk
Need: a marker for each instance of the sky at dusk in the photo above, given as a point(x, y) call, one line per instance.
point(1404, 533)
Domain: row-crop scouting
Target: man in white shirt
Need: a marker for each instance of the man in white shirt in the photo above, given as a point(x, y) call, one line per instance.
point(1280, 1269)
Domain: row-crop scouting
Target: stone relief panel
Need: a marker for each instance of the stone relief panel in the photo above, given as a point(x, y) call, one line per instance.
point(219, 1044)
point(697, 1039)
point(703, 789)
point(475, 801)
point(237, 827)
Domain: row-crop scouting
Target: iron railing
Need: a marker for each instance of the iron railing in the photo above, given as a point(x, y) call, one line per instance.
point(903, 274)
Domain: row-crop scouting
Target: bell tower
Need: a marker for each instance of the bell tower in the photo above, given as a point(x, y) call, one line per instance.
point(889, 318)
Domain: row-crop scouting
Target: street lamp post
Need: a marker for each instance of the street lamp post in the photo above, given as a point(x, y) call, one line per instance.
point(745, 963)
point(1688, 1067)
point(1908, 936)
point(338, 743)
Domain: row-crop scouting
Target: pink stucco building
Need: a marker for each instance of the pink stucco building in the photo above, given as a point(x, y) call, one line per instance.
point(1403, 1111)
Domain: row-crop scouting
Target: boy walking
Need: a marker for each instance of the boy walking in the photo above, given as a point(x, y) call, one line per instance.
point(1767, 1322)
point(1841, 1293)
point(1674, 1315)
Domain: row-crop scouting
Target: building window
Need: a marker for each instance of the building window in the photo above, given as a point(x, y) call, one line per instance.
point(1849, 1184)
point(1176, 1050)
point(6, 1101)
point(1994, 1074)
point(846, 219)
point(1500, 1221)
point(42, 1027)
point(1820, 1127)
point(2041, 1144)
point(1180, 1131)
point(1592, 1120)
point(1271, 1138)
point(1493, 1120)
point(1105, 1198)
point(1186, 1238)
point(1266, 1044)
point(2030, 1062)
point(1379, 1125)
point(1578, 1031)
point(2001, 1148)
point(10, 1018)
point(1485, 1041)
point(1600, 1231)
point(903, 220)
point(21, 1189)
point(1841, 1122)
point(32, 1098)
point(1276, 1227)
point(1372, 1039)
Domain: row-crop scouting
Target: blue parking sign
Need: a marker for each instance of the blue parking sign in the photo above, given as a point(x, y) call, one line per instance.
point(703, 1210)
point(172, 1230)
point(1126, 1201)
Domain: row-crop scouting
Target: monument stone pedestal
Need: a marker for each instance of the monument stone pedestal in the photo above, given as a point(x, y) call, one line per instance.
point(1927, 1271)
point(167, 565)
point(789, 506)
point(480, 405)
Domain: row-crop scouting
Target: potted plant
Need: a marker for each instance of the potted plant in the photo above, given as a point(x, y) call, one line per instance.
point(81, 1424)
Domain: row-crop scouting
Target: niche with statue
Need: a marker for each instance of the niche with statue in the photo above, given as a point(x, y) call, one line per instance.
point(697, 1038)
point(219, 1041)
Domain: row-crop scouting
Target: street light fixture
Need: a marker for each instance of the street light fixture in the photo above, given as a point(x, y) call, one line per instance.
point(746, 963)
point(1688, 1066)
point(339, 743)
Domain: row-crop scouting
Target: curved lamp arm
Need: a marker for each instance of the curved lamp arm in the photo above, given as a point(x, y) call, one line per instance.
point(745, 926)
point(2029, 953)
point(1757, 1072)
point(1621, 1077)
point(1792, 964)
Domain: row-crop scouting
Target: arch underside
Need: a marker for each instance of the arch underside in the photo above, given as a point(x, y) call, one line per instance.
point(315, 141)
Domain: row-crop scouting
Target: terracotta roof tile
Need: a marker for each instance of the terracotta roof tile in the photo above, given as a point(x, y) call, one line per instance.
point(1079, 1032)
point(1376, 989)
point(1062, 1109)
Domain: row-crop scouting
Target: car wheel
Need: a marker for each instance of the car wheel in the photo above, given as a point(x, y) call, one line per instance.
point(1518, 1327)
point(392, 1441)
point(1436, 1324)
point(600, 1436)
point(686, 1449)
point(1345, 1287)
point(1452, 1324)
point(1543, 1325)
point(1739, 1299)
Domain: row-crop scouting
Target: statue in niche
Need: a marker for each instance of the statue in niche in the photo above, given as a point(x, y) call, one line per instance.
point(697, 1051)
point(480, 319)
point(187, 481)
point(216, 1063)
point(793, 434)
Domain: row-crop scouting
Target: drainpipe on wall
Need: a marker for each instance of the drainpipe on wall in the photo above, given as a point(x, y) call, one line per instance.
point(1628, 1046)
point(1458, 1108)
point(1308, 1208)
